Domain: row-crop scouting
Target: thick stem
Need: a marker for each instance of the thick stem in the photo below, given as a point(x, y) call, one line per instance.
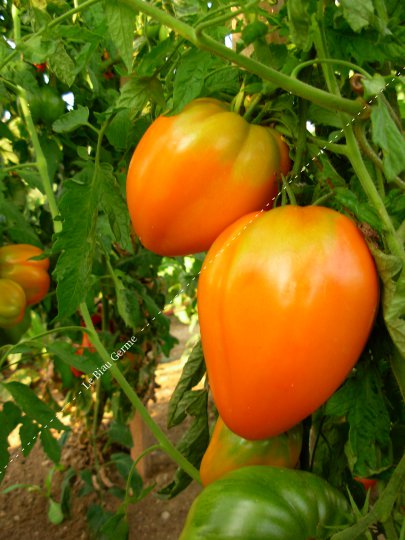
point(41, 162)
point(205, 42)
point(164, 442)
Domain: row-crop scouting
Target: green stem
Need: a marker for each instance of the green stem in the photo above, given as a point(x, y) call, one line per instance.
point(289, 191)
point(340, 149)
point(16, 23)
point(301, 145)
point(42, 164)
point(164, 442)
point(334, 61)
point(20, 166)
point(252, 106)
point(389, 529)
point(205, 42)
point(382, 508)
point(147, 451)
point(95, 424)
point(32, 340)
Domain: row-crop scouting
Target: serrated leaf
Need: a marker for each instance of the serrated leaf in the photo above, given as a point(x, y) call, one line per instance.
point(18, 228)
point(192, 445)
point(359, 15)
point(121, 25)
point(299, 22)
point(136, 93)
point(193, 372)
point(153, 59)
point(386, 134)
point(124, 464)
point(78, 207)
point(71, 120)
point(51, 446)
point(28, 433)
point(190, 78)
point(120, 433)
point(114, 206)
point(128, 304)
point(254, 31)
point(4, 457)
point(33, 407)
point(87, 362)
point(62, 65)
point(115, 528)
point(118, 130)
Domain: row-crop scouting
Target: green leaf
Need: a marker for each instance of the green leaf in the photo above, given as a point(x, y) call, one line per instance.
point(254, 31)
point(18, 228)
point(299, 22)
point(65, 495)
point(114, 206)
point(62, 65)
point(192, 445)
point(115, 528)
point(86, 362)
point(136, 93)
point(393, 302)
point(121, 25)
point(154, 59)
point(359, 14)
point(28, 433)
point(363, 211)
point(33, 407)
point(192, 373)
point(119, 130)
point(55, 514)
point(369, 446)
point(51, 446)
point(4, 457)
point(124, 465)
point(78, 208)
point(71, 120)
point(120, 433)
point(128, 302)
point(386, 134)
point(190, 78)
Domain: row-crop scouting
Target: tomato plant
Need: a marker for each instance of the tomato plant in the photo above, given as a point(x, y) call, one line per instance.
point(227, 451)
point(186, 166)
point(211, 100)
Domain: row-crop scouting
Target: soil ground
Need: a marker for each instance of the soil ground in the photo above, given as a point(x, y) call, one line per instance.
point(23, 514)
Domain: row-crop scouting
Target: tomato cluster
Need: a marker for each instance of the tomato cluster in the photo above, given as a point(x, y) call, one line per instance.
point(286, 298)
point(23, 281)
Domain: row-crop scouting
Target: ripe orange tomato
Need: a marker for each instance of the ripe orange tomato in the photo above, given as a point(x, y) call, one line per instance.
point(32, 275)
point(195, 173)
point(286, 303)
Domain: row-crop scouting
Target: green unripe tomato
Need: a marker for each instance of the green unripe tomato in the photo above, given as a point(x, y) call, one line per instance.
point(46, 105)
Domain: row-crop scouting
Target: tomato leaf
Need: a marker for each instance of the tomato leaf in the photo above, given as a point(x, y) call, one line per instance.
point(71, 120)
point(192, 445)
point(190, 78)
point(33, 407)
point(76, 242)
point(361, 401)
point(62, 65)
point(28, 433)
point(192, 373)
point(121, 25)
point(51, 445)
point(387, 135)
point(358, 14)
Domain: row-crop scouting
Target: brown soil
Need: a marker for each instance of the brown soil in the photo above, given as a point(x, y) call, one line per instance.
point(23, 513)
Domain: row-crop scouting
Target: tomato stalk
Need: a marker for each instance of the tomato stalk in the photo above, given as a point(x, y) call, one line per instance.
point(164, 442)
point(41, 162)
point(201, 40)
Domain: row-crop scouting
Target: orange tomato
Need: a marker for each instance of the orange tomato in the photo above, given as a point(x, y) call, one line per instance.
point(15, 264)
point(286, 302)
point(195, 173)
